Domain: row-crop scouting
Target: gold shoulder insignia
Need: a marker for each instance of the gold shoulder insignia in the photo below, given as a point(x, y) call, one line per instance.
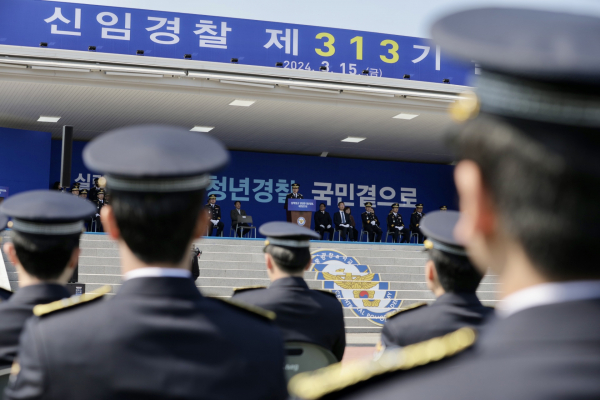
point(266, 314)
point(45, 309)
point(316, 384)
point(245, 288)
point(326, 292)
point(409, 308)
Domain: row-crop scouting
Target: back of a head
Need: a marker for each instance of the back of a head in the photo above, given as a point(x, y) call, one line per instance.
point(288, 244)
point(290, 260)
point(455, 273)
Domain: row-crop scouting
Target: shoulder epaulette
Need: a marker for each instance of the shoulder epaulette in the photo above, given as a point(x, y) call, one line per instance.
point(326, 292)
point(409, 308)
point(256, 311)
point(316, 384)
point(70, 302)
point(245, 288)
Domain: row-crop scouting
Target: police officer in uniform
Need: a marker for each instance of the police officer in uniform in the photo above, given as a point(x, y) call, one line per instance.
point(528, 147)
point(444, 208)
point(370, 223)
point(214, 212)
point(100, 202)
point(396, 225)
point(46, 226)
point(293, 195)
point(303, 315)
point(451, 278)
point(415, 222)
point(75, 189)
point(93, 195)
point(158, 337)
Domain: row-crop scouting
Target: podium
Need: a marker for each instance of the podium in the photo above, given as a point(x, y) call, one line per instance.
point(301, 210)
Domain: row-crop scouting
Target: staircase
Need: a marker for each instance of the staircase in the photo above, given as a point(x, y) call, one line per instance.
point(229, 263)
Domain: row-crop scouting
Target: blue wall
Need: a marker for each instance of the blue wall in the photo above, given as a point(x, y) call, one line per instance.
point(261, 181)
point(24, 160)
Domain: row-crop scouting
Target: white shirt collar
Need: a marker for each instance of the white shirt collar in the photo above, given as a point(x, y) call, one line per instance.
point(156, 272)
point(548, 293)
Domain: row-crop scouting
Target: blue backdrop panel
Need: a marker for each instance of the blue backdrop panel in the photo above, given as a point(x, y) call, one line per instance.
point(208, 38)
point(24, 160)
point(262, 180)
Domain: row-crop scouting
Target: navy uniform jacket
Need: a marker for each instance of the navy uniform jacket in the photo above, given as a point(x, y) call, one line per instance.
point(393, 221)
point(367, 217)
point(215, 211)
point(157, 338)
point(100, 204)
point(415, 221)
point(303, 315)
point(15, 311)
point(549, 352)
point(322, 218)
point(451, 311)
point(291, 196)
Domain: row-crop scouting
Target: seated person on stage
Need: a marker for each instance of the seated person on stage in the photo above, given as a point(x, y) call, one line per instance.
point(370, 223)
point(158, 337)
point(293, 195)
point(396, 225)
point(214, 213)
point(323, 222)
point(452, 279)
point(350, 218)
point(341, 222)
point(46, 227)
point(242, 228)
point(303, 315)
point(415, 222)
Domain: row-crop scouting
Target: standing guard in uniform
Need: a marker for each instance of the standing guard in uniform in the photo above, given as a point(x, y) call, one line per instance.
point(396, 225)
point(528, 164)
point(46, 227)
point(451, 278)
point(93, 195)
point(323, 222)
point(370, 223)
point(75, 189)
point(214, 213)
point(415, 222)
point(83, 194)
point(158, 337)
point(303, 315)
point(100, 202)
point(293, 195)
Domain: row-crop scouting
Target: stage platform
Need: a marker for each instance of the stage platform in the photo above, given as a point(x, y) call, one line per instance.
point(227, 263)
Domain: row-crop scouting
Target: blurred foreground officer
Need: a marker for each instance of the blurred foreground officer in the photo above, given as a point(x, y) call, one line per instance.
point(158, 337)
point(5, 293)
point(396, 225)
point(214, 213)
point(46, 226)
point(293, 195)
point(323, 222)
point(529, 156)
point(415, 222)
point(370, 223)
point(452, 279)
point(303, 315)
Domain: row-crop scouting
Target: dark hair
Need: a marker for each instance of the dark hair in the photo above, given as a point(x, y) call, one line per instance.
point(456, 273)
point(44, 256)
point(289, 259)
point(157, 227)
point(341, 202)
point(543, 200)
point(237, 201)
point(347, 208)
point(322, 204)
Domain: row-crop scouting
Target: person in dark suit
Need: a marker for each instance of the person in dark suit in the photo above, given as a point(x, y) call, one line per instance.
point(99, 203)
point(370, 223)
point(93, 193)
point(341, 223)
point(396, 225)
point(352, 223)
point(451, 278)
point(237, 211)
point(293, 195)
point(303, 315)
point(323, 222)
point(528, 143)
point(214, 213)
point(46, 227)
point(415, 222)
point(158, 337)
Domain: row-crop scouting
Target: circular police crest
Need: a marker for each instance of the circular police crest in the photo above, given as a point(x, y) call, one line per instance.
point(301, 221)
point(355, 285)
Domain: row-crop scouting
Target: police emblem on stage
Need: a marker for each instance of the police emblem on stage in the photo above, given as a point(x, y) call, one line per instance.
point(355, 285)
point(301, 221)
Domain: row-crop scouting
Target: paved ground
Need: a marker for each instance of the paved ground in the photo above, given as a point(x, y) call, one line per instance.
point(360, 346)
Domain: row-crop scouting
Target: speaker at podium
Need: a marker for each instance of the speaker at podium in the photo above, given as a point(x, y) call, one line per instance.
point(301, 210)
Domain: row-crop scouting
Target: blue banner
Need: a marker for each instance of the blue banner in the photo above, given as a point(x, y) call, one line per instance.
point(209, 38)
point(261, 181)
point(302, 205)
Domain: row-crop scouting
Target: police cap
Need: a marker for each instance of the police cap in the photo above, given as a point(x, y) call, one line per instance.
point(368, 204)
point(286, 234)
point(395, 205)
point(212, 196)
point(295, 186)
point(44, 212)
point(438, 226)
point(155, 158)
